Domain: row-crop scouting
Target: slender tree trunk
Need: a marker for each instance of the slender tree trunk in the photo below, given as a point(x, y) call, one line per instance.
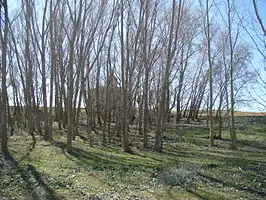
point(210, 78)
point(124, 119)
point(140, 116)
point(232, 128)
point(29, 75)
point(98, 100)
point(4, 97)
point(71, 106)
point(178, 98)
point(219, 114)
point(52, 73)
point(146, 79)
point(43, 74)
point(162, 105)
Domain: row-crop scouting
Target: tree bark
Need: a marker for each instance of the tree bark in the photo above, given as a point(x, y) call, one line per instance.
point(4, 41)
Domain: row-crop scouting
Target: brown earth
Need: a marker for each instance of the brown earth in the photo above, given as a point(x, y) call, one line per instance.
point(240, 114)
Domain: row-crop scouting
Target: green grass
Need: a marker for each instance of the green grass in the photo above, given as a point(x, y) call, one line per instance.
point(187, 169)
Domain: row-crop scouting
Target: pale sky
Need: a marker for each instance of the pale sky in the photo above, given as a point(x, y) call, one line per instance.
point(244, 7)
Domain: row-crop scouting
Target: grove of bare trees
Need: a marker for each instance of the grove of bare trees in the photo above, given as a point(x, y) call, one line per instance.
point(118, 67)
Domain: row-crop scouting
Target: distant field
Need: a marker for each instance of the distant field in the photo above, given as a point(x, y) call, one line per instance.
point(239, 113)
point(243, 114)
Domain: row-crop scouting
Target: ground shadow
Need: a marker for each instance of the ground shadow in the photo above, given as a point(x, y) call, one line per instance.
point(206, 195)
point(257, 145)
point(109, 160)
point(34, 185)
point(238, 187)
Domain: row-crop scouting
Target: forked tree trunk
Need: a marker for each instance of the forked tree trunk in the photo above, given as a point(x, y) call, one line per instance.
point(165, 87)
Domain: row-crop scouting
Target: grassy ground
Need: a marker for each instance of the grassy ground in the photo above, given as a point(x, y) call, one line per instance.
point(187, 169)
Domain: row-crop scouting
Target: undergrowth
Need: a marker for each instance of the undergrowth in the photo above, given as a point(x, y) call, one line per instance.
point(187, 169)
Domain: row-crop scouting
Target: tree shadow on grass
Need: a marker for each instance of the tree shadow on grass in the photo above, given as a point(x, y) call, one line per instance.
point(28, 153)
point(238, 187)
point(35, 186)
point(260, 145)
point(109, 160)
point(177, 195)
point(205, 195)
point(257, 145)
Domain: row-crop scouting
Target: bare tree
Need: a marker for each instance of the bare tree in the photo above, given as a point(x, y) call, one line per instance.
point(171, 48)
point(124, 81)
point(232, 45)
point(259, 17)
point(4, 42)
point(207, 27)
point(76, 20)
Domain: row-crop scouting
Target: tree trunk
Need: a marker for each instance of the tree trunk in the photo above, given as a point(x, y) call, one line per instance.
point(210, 78)
point(232, 128)
point(146, 77)
point(4, 97)
point(124, 118)
point(161, 111)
